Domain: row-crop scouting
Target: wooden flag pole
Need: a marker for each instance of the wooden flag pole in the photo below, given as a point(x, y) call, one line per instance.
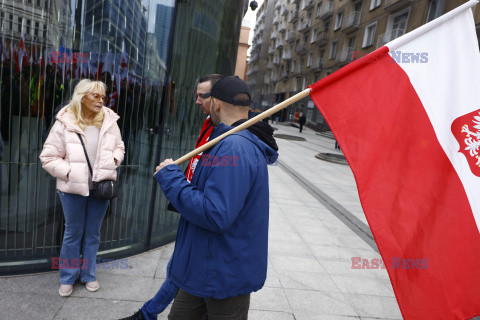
point(245, 125)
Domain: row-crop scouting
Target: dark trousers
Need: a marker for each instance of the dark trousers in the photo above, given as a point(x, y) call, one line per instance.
point(301, 127)
point(189, 307)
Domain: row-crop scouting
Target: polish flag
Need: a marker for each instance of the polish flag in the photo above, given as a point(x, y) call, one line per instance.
point(407, 117)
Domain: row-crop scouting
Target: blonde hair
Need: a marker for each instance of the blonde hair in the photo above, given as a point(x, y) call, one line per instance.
point(83, 88)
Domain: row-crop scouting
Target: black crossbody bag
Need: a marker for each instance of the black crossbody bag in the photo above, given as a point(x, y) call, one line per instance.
point(105, 189)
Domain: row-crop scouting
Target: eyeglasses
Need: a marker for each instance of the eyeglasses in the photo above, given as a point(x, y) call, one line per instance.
point(96, 96)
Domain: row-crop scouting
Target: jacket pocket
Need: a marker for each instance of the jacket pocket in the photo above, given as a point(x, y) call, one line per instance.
point(106, 160)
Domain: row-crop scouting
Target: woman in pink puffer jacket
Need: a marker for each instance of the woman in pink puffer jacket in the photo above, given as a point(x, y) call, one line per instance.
point(64, 158)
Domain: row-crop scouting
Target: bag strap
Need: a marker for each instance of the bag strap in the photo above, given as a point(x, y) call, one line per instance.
point(86, 155)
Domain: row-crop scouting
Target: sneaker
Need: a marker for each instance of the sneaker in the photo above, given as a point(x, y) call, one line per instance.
point(65, 290)
point(137, 316)
point(92, 286)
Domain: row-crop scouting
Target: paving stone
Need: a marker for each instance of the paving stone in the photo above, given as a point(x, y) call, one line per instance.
point(314, 281)
point(321, 303)
point(298, 263)
point(118, 287)
point(289, 248)
point(270, 299)
point(375, 306)
point(269, 315)
point(361, 285)
point(80, 308)
point(15, 306)
point(41, 283)
point(161, 271)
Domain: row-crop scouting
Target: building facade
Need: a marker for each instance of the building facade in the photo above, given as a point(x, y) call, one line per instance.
point(150, 71)
point(310, 39)
point(241, 66)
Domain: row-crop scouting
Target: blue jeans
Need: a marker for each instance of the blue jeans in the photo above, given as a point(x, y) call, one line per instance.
point(83, 219)
point(162, 299)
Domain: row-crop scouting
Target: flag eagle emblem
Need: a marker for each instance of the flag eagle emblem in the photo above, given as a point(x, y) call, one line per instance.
point(466, 130)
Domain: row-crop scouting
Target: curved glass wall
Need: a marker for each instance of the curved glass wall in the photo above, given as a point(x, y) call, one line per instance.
point(150, 53)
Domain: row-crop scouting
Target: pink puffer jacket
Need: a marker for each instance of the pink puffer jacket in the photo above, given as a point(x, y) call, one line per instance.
point(63, 156)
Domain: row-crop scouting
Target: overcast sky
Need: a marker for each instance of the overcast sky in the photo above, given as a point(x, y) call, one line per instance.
point(249, 20)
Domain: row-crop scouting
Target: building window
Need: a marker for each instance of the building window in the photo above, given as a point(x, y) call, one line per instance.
point(321, 54)
point(309, 59)
point(297, 84)
point(350, 48)
point(304, 84)
point(293, 66)
point(333, 50)
point(375, 3)
point(29, 22)
point(397, 25)
point(435, 9)
point(319, 8)
point(37, 27)
point(314, 35)
point(369, 35)
point(338, 20)
point(327, 25)
point(19, 24)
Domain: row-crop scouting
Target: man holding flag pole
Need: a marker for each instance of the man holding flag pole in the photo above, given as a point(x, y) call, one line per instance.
point(220, 254)
point(411, 134)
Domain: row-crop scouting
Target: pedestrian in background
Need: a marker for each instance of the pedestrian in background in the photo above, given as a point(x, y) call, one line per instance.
point(63, 156)
point(204, 85)
point(302, 120)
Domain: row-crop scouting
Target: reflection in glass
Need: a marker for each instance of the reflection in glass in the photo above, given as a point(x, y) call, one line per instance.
point(46, 46)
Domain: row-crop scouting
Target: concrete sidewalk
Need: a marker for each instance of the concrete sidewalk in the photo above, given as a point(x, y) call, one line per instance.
point(316, 227)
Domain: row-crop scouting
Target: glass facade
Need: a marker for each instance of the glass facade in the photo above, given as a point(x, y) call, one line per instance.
point(150, 53)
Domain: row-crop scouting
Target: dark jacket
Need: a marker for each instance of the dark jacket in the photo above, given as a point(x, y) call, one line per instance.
point(222, 237)
point(302, 120)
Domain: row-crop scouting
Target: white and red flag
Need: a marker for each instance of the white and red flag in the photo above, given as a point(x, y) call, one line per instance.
point(407, 117)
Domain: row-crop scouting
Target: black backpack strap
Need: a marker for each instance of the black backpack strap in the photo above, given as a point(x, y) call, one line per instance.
point(86, 155)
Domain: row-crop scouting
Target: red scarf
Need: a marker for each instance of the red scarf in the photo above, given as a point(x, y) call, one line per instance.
point(202, 139)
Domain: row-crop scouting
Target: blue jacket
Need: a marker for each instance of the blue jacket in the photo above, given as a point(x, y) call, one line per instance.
point(222, 237)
